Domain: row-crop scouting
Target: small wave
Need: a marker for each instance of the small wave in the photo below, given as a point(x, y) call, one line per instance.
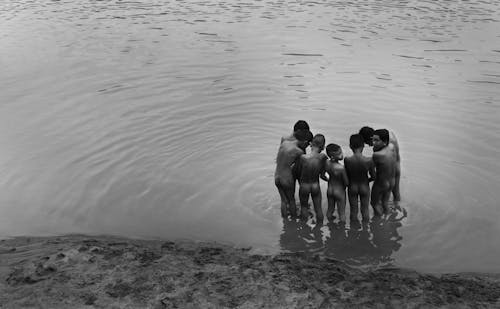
point(406, 56)
point(301, 54)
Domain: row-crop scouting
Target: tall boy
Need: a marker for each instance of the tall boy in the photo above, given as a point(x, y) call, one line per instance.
point(358, 167)
point(337, 182)
point(289, 153)
point(311, 166)
point(300, 125)
point(384, 159)
point(367, 134)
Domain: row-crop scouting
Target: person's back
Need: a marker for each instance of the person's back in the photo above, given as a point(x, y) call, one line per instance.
point(311, 166)
point(358, 168)
point(288, 154)
point(337, 182)
point(384, 159)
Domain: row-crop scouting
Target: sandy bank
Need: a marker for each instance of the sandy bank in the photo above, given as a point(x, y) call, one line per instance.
point(108, 272)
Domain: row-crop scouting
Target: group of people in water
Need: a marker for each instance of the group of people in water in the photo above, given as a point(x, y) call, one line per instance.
point(294, 163)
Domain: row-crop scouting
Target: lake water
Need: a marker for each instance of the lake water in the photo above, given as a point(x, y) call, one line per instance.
point(161, 119)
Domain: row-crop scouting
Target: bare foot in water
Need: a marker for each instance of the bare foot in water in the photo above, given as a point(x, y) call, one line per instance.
point(397, 206)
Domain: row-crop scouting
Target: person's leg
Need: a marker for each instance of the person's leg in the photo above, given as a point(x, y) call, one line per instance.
point(290, 196)
point(395, 191)
point(331, 207)
point(283, 197)
point(375, 200)
point(353, 203)
point(385, 201)
point(304, 201)
point(341, 206)
point(364, 198)
point(365, 212)
point(316, 198)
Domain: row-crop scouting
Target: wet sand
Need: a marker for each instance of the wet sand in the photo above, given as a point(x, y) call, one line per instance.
point(110, 272)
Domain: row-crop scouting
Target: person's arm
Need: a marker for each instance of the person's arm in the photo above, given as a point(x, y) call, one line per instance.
point(371, 168)
point(297, 167)
point(394, 141)
point(345, 178)
point(322, 175)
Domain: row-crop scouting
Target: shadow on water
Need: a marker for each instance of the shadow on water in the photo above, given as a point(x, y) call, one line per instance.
point(365, 245)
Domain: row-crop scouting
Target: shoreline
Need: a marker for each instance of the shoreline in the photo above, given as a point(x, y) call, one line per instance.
point(78, 271)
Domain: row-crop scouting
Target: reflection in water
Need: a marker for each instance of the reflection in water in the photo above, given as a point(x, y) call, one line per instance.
point(359, 245)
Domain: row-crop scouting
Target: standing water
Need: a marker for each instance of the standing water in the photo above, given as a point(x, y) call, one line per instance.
point(162, 119)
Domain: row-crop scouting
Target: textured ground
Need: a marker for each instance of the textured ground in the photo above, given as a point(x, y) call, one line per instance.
point(107, 272)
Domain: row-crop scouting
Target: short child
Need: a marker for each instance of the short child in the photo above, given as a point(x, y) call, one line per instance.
point(337, 182)
point(311, 166)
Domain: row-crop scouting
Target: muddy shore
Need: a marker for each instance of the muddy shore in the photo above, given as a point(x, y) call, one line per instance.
point(109, 272)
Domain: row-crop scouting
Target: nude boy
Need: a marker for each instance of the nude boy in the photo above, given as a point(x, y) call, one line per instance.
point(358, 168)
point(384, 159)
point(289, 153)
point(311, 165)
point(337, 182)
point(367, 133)
point(300, 125)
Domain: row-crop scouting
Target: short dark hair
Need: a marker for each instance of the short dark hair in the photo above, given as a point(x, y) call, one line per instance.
point(356, 141)
point(303, 135)
point(318, 141)
point(332, 148)
point(301, 125)
point(366, 133)
point(383, 134)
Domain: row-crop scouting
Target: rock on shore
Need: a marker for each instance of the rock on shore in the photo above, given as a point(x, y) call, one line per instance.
point(109, 272)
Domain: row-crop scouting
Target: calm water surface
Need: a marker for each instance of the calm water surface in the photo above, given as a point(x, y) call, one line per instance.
point(162, 119)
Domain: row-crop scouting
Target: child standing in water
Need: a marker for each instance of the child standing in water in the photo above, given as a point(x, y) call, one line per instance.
point(367, 134)
point(311, 166)
point(337, 182)
point(384, 159)
point(357, 168)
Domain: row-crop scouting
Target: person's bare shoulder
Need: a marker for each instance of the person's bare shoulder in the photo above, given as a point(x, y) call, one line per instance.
point(378, 155)
point(367, 160)
point(341, 167)
point(328, 165)
point(392, 138)
point(338, 167)
point(298, 152)
point(287, 138)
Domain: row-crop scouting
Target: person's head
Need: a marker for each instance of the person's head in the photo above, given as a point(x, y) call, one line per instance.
point(301, 125)
point(303, 137)
point(334, 152)
point(380, 139)
point(366, 133)
point(318, 141)
point(356, 141)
